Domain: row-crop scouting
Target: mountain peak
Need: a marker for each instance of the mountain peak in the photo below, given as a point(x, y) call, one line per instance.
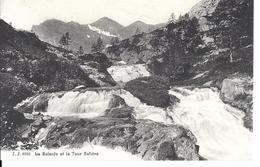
point(108, 24)
point(52, 21)
point(138, 23)
point(106, 20)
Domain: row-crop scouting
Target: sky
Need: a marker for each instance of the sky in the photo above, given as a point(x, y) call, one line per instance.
point(25, 13)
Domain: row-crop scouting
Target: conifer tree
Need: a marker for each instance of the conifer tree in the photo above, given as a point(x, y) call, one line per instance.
point(98, 46)
point(81, 50)
point(65, 40)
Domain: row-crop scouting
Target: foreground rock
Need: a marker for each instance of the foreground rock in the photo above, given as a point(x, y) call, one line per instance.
point(150, 140)
point(237, 90)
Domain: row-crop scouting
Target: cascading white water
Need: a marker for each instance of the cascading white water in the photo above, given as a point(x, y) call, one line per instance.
point(142, 110)
point(217, 126)
point(126, 73)
point(88, 104)
point(92, 104)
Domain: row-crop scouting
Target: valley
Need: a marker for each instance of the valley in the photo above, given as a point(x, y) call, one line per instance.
point(177, 91)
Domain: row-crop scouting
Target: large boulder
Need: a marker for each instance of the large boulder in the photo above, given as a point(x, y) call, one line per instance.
point(237, 91)
point(145, 138)
point(122, 112)
point(151, 90)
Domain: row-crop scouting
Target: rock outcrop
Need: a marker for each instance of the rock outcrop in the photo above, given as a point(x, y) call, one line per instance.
point(202, 10)
point(151, 90)
point(139, 48)
point(238, 92)
point(150, 140)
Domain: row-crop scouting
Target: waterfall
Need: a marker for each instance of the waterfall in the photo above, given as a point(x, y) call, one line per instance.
point(142, 110)
point(217, 126)
point(126, 73)
point(88, 104)
point(92, 104)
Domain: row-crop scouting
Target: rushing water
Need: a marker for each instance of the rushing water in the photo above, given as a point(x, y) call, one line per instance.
point(88, 104)
point(142, 110)
point(126, 73)
point(92, 104)
point(217, 126)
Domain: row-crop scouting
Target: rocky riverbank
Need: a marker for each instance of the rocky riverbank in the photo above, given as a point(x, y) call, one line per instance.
point(116, 127)
point(237, 91)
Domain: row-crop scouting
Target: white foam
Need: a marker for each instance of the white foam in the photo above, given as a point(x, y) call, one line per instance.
point(92, 104)
point(89, 104)
point(125, 73)
point(142, 110)
point(217, 126)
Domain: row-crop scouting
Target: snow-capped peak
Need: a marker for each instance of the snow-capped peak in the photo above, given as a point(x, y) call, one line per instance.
point(106, 33)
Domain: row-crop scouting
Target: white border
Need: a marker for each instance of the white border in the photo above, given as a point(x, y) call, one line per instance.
point(256, 156)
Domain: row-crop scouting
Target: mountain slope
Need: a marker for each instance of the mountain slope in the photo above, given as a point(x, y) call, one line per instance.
point(130, 30)
point(25, 56)
point(51, 31)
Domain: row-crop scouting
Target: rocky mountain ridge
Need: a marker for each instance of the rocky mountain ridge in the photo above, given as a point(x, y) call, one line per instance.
point(85, 35)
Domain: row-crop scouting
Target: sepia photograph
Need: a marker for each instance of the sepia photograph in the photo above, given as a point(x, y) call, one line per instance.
point(133, 80)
